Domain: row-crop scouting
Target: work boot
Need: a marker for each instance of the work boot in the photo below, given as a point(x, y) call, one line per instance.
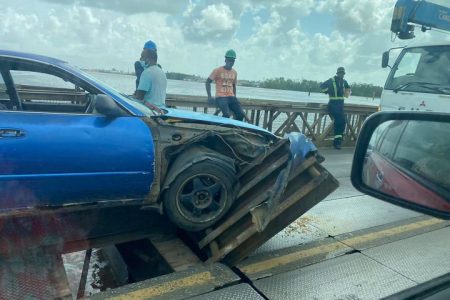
point(337, 144)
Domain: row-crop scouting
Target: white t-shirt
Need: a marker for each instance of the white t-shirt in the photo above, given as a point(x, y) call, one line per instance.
point(153, 82)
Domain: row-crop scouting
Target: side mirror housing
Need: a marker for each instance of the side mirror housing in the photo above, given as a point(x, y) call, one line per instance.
point(404, 159)
point(105, 105)
point(385, 59)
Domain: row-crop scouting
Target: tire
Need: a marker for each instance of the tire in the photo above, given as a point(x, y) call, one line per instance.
point(200, 195)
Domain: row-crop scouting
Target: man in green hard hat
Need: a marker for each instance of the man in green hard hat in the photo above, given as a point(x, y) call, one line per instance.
point(226, 79)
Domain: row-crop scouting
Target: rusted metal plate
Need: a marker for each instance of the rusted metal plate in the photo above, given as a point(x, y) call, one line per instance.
point(36, 275)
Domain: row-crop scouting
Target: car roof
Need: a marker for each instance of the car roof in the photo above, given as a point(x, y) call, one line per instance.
point(32, 57)
point(413, 45)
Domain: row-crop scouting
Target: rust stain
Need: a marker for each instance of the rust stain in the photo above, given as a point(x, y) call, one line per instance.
point(301, 225)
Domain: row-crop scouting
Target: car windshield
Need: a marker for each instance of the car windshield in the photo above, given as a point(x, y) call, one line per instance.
point(127, 98)
point(422, 69)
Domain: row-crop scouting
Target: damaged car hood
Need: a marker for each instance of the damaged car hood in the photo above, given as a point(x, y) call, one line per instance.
point(172, 113)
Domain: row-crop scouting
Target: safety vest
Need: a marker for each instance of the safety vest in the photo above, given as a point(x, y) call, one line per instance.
point(335, 96)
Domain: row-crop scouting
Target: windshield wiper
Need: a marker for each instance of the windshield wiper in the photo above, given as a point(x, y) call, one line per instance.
point(428, 85)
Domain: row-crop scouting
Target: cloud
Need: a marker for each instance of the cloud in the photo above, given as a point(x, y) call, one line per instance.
point(359, 16)
point(129, 6)
point(209, 23)
point(192, 36)
point(83, 36)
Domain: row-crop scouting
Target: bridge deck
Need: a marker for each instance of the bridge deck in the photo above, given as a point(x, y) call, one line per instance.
point(349, 246)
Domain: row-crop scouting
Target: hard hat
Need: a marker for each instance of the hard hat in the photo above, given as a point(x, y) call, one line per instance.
point(340, 70)
point(150, 45)
point(230, 54)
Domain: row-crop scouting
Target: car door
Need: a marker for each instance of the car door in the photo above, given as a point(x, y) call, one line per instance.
point(61, 158)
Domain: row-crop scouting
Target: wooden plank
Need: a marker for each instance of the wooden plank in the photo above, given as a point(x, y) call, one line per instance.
point(350, 127)
point(174, 251)
point(272, 149)
point(266, 117)
point(238, 240)
point(305, 123)
point(318, 187)
point(258, 117)
point(266, 172)
point(244, 210)
point(231, 220)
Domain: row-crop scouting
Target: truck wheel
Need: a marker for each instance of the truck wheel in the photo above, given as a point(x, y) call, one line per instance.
point(200, 195)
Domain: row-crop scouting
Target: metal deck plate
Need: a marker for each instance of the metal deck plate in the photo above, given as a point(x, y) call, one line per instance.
point(352, 276)
point(420, 258)
point(391, 232)
point(179, 285)
point(355, 213)
point(264, 265)
point(299, 232)
point(345, 190)
point(36, 275)
point(240, 291)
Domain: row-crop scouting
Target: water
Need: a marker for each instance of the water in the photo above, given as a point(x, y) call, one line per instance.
point(126, 84)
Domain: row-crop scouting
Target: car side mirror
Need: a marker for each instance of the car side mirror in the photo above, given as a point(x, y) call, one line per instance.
point(105, 105)
point(404, 158)
point(385, 59)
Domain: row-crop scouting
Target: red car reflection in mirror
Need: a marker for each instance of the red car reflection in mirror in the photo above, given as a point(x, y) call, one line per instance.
point(384, 176)
point(398, 163)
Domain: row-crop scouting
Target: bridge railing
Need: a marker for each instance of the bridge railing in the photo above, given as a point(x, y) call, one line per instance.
point(280, 117)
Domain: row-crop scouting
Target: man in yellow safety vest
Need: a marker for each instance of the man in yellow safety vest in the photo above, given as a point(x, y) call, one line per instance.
point(337, 89)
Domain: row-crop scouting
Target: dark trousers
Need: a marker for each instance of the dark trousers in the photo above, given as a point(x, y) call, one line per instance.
point(230, 104)
point(336, 110)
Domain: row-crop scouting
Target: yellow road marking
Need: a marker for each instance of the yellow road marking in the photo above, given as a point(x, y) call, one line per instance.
point(291, 257)
point(333, 247)
point(167, 287)
point(390, 232)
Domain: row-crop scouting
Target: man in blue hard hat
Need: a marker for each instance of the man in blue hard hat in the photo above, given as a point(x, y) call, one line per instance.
point(226, 79)
point(139, 65)
point(152, 82)
point(337, 89)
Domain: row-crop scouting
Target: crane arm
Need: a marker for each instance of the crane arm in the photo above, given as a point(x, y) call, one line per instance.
point(408, 13)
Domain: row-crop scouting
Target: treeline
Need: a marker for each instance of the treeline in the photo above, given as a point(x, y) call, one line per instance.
point(182, 76)
point(358, 89)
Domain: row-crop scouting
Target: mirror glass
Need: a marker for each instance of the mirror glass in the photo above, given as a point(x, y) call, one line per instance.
point(410, 160)
point(385, 59)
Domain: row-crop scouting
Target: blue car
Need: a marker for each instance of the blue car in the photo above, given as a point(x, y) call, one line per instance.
point(69, 141)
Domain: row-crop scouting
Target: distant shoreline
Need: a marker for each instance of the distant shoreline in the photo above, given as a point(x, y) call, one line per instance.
point(307, 86)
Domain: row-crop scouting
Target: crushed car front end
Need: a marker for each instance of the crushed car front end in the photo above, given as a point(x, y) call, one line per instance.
point(217, 177)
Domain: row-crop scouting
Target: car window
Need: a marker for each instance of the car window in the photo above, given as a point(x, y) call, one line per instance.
point(388, 140)
point(42, 92)
point(427, 155)
point(4, 97)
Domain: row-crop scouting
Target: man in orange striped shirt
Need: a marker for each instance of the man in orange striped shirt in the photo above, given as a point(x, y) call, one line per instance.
point(226, 79)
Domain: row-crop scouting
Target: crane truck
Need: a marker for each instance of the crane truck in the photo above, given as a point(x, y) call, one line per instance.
point(419, 79)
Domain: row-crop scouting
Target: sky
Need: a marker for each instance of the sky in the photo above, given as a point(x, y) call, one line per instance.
point(297, 39)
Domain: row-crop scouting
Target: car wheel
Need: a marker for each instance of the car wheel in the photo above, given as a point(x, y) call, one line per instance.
point(200, 195)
